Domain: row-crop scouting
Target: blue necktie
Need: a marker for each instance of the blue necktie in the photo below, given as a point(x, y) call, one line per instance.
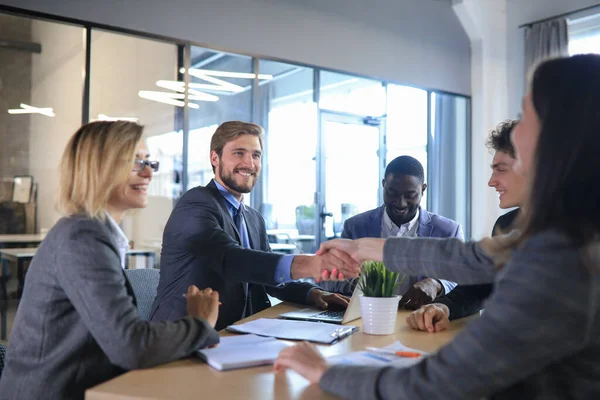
point(240, 224)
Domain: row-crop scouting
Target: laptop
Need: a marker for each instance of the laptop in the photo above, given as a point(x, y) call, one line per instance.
point(331, 316)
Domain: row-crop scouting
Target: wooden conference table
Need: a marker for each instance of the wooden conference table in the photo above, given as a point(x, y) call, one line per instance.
point(192, 379)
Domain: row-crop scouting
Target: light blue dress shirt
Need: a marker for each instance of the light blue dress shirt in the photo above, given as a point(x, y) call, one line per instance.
point(284, 267)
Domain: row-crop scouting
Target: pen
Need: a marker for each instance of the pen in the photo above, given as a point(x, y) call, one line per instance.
point(406, 354)
point(185, 294)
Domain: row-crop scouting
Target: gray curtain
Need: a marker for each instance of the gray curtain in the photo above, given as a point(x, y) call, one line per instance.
point(545, 40)
point(448, 161)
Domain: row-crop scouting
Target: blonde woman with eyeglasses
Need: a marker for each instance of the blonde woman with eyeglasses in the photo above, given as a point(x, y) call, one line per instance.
point(77, 324)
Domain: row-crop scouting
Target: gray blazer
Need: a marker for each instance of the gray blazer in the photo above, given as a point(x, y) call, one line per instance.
point(77, 324)
point(539, 337)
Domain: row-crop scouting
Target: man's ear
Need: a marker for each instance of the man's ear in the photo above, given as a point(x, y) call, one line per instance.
point(214, 158)
point(423, 188)
point(383, 183)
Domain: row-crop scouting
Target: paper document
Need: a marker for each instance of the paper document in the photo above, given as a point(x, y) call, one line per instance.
point(242, 351)
point(378, 359)
point(295, 330)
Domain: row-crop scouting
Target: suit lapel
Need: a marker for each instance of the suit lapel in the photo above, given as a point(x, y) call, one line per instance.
point(252, 228)
point(425, 226)
point(374, 229)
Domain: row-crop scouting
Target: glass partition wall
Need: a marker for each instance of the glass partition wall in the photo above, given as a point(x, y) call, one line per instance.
point(328, 136)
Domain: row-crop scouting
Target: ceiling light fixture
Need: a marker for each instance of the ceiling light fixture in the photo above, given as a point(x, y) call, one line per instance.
point(194, 90)
point(104, 117)
point(174, 99)
point(226, 74)
point(27, 109)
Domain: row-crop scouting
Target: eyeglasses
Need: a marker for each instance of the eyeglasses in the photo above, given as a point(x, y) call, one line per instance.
point(139, 165)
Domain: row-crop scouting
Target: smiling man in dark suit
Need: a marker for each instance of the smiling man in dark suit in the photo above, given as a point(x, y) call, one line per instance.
point(402, 215)
point(213, 240)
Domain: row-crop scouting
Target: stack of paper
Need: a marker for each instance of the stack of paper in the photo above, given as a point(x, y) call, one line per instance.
point(242, 351)
point(378, 358)
point(295, 330)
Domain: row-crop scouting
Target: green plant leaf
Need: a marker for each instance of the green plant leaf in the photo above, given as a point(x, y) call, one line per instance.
point(375, 280)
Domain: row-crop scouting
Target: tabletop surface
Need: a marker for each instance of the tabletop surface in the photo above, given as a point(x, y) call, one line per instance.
point(192, 379)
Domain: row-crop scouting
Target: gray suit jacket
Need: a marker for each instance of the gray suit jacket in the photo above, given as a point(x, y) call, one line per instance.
point(539, 337)
point(77, 324)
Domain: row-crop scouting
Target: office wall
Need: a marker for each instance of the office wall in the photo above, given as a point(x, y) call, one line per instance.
point(415, 42)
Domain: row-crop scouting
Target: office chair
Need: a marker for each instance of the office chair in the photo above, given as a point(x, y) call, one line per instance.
point(2, 357)
point(144, 283)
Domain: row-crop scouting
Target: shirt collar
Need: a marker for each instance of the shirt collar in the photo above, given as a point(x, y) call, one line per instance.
point(227, 195)
point(393, 227)
point(119, 234)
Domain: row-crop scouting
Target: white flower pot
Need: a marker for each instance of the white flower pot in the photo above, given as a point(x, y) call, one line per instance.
point(379, 314)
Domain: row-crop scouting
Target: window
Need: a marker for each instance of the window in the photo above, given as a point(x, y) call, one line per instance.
point(132, 77)
point(220, 90)
point(42, 88)
point(584, 35)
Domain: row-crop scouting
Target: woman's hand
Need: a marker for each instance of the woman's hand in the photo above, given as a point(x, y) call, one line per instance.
point(203, 304)
point(430, 318)
point(305, 359)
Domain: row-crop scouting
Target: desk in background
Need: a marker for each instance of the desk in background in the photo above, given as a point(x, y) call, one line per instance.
point(192, 379)
point(20, 240)
point(284, 248)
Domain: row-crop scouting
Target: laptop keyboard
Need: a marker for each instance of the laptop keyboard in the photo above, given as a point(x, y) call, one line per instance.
point(331, 314)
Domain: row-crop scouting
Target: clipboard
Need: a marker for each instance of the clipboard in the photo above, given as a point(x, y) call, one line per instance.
point(317, 332)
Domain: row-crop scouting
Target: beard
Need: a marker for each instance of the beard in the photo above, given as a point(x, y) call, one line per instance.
point(229, 181)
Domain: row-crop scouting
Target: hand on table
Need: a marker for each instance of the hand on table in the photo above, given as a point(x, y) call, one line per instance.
point(203, 304)
point(325, 300)
point(430, 318)
point(305, 359)
point(420, 293)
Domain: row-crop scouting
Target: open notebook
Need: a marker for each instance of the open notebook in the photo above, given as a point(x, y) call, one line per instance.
point(242, 351)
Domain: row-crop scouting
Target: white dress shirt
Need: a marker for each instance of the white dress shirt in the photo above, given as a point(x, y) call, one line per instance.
point(120, 239)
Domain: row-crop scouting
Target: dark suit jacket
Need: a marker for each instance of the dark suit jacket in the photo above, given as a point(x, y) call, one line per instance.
point(202, 247)
point(465, 300)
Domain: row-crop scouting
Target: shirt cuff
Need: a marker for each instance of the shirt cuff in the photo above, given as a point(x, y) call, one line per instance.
point(308, 295)
point(283, 270)
point(447, 286)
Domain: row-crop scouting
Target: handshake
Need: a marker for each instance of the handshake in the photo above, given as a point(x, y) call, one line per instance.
point(337, 259)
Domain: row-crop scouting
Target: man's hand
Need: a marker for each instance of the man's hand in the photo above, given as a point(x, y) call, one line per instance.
point(305, 359)
point(203, 304)
point(333, 265)
point(325, 300)
point(420, 293)
point(430, 318)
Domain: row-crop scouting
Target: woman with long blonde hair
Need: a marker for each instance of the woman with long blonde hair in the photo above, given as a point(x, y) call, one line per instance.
point(539, 337)
point(77, 324)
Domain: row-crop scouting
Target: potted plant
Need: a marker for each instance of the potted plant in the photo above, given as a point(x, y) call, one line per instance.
point(378, 301)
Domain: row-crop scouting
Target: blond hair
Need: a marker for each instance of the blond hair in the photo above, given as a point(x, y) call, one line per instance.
point(96, 161)
point(231, 130)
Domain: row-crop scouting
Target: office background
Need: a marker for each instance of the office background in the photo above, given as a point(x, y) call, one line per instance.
point(341, 87)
